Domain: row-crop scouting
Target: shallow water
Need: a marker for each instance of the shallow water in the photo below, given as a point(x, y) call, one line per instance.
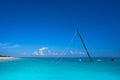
point(60, 69)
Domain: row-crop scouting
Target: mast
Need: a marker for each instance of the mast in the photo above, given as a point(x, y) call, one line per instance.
point(84, 45)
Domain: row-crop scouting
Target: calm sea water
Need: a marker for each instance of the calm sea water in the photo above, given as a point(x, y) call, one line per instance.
point(60, 69)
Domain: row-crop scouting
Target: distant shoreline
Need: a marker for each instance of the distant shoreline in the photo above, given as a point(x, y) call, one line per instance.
point(1, 57)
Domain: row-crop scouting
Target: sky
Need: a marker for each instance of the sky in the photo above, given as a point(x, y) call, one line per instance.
point(45, 28)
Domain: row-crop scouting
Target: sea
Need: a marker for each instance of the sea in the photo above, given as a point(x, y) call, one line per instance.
point(60, 69)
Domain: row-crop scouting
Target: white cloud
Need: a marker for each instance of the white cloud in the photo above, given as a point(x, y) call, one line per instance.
point(4, 44)
point(11, 46)
point(76, 52)
point(41, 51)
point(35, 53)
point(8, 45)
point(44, 51)
point(54, 53)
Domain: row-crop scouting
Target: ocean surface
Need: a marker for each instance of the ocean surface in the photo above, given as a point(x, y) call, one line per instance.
point(60, 69)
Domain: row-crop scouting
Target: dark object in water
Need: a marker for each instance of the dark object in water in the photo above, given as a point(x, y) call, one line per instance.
point(112, 59)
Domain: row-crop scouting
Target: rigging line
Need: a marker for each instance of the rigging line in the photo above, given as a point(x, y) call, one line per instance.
point(67, 48)
point(70, 43)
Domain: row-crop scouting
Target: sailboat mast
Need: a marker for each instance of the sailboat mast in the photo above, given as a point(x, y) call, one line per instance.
point(84, 45)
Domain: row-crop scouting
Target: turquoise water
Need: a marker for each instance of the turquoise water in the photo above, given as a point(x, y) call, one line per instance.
point(59, 69)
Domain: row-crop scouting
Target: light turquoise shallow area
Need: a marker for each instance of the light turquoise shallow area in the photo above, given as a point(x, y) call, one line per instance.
point(63, 69)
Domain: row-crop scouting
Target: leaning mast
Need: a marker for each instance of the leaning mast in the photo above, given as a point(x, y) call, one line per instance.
point(84, 45)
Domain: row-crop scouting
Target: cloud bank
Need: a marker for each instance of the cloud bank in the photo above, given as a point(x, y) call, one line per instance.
point(44, 51)
point(8, 45)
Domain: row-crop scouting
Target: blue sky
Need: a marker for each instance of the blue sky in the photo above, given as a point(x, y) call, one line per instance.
point(46, 27)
